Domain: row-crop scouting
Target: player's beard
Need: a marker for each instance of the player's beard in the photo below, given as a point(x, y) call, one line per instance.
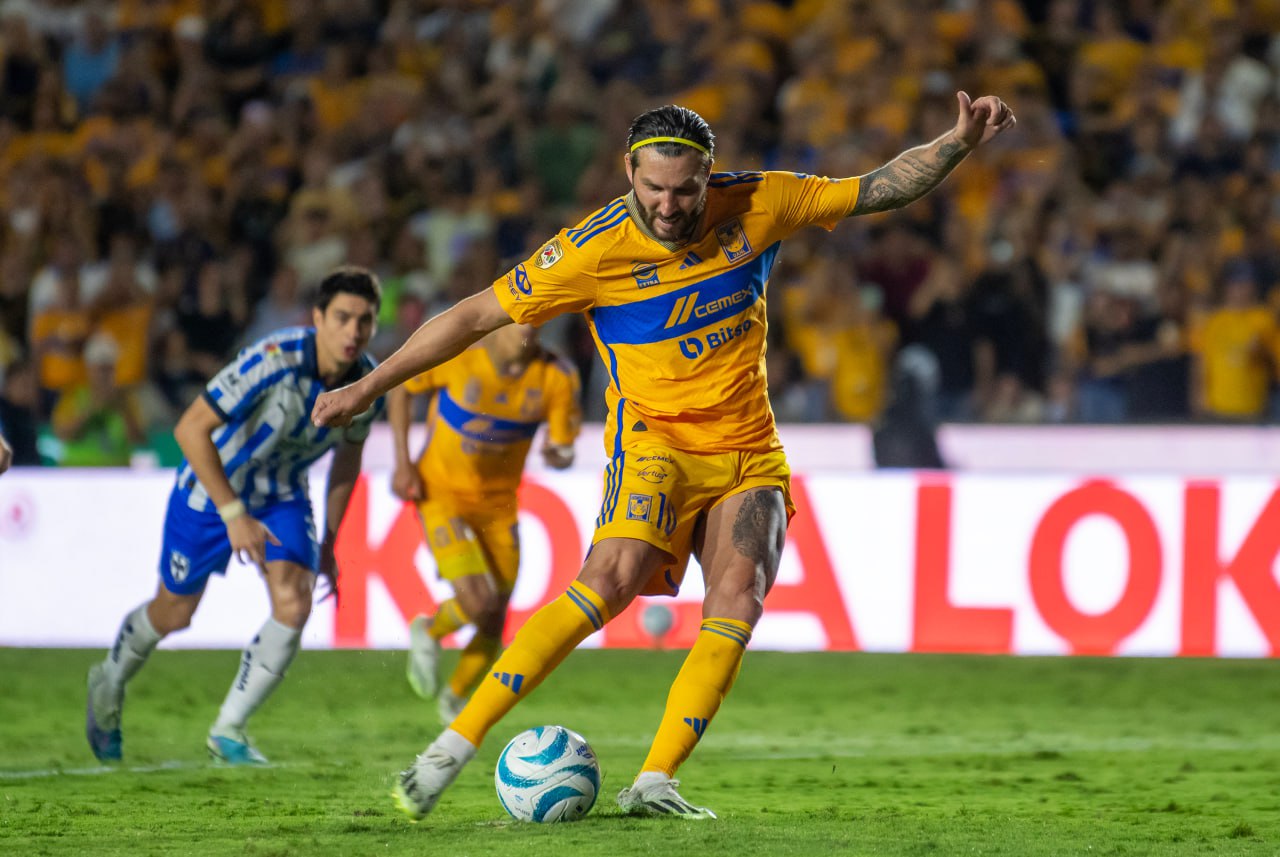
point(682, 229)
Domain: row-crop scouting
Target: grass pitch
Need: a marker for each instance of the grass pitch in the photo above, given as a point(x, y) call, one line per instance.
point(822, 754)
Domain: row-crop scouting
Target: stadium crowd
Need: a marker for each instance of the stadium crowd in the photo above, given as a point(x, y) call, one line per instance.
point(178, 175)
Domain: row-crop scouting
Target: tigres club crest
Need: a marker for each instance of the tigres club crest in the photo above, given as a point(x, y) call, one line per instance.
point(732, 240)
point(638, 506)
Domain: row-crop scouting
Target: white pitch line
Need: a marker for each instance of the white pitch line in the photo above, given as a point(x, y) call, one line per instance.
point(172, 765)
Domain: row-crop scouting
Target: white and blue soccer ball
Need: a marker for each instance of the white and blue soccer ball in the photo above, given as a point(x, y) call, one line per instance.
point(547, 774)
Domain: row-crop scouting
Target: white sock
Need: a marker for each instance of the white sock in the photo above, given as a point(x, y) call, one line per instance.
point(649, 777)
point(135, 641)
point(262, 666)
point(455, 745)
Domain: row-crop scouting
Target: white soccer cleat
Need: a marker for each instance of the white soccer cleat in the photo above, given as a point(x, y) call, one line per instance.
point(419, 787)
point(658, 797)
point(424, 658)
point(449, 704)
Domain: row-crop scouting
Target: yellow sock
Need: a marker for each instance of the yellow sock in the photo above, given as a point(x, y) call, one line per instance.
point(542, 643)
point(697, 692)
point(449, 618)
point(475, 661)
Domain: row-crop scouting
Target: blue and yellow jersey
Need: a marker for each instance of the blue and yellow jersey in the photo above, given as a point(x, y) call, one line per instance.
point(482, 422)
point(681, 329)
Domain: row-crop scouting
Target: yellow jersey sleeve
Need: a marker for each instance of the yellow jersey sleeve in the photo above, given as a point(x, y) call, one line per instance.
point(797, 200)
point(563, 275)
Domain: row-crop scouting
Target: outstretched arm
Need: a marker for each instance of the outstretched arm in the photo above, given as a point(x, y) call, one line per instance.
point(917, 171)
point(443, 336)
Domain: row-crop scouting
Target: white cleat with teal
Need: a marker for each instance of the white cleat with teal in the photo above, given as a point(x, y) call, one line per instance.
point(234, 748)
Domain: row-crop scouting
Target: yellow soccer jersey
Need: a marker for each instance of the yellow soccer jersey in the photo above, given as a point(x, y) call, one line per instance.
point(481, 423)
point(681, 330)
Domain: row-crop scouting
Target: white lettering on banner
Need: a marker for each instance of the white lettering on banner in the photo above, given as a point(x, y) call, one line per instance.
point(1151, 565)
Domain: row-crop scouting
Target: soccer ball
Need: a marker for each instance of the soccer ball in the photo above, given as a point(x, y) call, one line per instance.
point(547, 774)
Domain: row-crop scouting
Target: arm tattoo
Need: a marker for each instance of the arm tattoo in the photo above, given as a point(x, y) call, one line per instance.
point(755, 533)
point(909, 176)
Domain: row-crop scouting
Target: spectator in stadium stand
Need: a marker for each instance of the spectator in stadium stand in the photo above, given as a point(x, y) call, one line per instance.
point(1236, 352)
point(19, 413)
point(97, 420)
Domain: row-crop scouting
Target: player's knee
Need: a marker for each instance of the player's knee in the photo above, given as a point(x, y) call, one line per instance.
point(170, 621)
point(291, 607)
point(619, 575)
point(491, 615)
point(737, 595)
point(168, 615)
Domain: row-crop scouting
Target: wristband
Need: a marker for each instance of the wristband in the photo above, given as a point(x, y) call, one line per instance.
point(231, 511)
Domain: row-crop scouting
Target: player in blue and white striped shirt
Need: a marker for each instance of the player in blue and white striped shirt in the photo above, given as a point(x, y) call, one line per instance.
point(249, 442)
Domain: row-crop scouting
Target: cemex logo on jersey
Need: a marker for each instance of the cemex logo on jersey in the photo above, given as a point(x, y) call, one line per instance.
point(687, 307)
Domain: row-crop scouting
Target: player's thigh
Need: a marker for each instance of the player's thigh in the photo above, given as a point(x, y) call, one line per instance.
point(294, 527)
point(652, 494)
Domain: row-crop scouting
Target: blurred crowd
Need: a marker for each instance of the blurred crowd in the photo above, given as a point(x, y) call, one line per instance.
point(177, 176)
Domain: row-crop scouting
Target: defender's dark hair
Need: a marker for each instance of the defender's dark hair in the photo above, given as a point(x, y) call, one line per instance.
point(671, 120)
point(352, 280)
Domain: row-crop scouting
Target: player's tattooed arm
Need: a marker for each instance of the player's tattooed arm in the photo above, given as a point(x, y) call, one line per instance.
point(909, 176)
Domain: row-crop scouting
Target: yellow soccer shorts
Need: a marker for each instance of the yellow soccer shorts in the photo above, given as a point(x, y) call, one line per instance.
point(657, 495)
point(466, 540)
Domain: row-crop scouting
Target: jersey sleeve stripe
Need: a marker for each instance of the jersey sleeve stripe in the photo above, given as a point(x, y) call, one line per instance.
point(603, 214)
point(730, 179)
point(212, 397)
point(607, 225)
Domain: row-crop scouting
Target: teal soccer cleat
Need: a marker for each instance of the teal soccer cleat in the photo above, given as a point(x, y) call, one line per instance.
point(234, 749)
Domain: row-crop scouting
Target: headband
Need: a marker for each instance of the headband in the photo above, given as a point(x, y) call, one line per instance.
point(647, 140)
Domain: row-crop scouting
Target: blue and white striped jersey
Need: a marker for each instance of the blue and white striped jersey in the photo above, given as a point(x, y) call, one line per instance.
point(268, 443)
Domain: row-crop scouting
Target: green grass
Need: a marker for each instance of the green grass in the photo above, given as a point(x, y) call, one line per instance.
point(813, 755)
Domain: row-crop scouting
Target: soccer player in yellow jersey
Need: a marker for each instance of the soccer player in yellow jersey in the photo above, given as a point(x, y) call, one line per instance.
point(487, 405)
point(672, 280)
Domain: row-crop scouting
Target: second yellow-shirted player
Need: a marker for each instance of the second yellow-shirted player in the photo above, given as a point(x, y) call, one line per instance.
point(487, 406)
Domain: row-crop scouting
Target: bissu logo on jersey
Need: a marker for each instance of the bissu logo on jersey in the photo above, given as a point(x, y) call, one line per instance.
point(688, 307)
point(694, 347)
